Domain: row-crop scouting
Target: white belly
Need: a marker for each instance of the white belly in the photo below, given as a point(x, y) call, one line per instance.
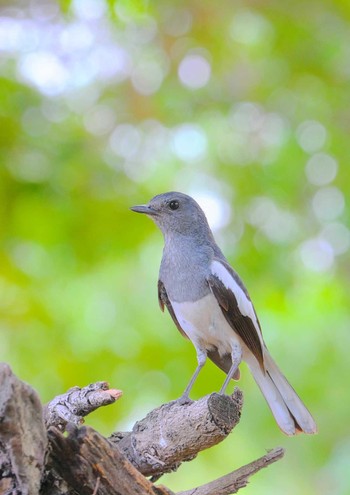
point(205, 325)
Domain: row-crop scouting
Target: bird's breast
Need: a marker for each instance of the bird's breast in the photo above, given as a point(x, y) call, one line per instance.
point(205, 325)
point(184, 270)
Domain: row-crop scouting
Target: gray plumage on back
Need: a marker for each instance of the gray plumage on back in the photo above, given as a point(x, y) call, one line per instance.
point(210, 305)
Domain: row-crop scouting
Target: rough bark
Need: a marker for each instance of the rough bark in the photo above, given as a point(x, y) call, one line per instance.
point(85, 458)
point(23, 439)
point(175, 432)
point(72, 406)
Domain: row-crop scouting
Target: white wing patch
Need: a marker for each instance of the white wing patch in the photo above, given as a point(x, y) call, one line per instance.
point(244, 304)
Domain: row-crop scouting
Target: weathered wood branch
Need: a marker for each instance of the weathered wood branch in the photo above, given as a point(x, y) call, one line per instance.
point(72, 406)
point(36, 461)
point(85, 456)
point(232, 482)
point(175, 432)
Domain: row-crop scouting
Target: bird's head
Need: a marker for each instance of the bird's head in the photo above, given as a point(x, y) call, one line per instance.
point(175, 212)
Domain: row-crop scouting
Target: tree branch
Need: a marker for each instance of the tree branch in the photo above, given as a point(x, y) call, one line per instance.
point(85, 458)
point(175, 432)
point(232, 482)
point(72, 406)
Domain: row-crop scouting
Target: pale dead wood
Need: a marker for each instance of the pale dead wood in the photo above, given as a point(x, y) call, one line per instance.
point(72, 406)
point(232, 482)
point(174, 432)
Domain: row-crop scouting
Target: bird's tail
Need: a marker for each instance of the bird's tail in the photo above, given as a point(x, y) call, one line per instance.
point(288, 409)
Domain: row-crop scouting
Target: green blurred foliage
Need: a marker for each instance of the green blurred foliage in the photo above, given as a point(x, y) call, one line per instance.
point(244, 105)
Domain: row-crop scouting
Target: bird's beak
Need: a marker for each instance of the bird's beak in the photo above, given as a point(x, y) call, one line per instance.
point(143, 209)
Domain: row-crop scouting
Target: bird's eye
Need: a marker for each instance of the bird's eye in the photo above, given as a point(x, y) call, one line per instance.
point(173, 205)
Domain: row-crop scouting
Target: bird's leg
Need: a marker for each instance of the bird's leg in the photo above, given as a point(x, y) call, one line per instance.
point(201, 358)
point(236, 355)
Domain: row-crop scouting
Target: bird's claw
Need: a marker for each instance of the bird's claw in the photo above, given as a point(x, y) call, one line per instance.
point(183, 400)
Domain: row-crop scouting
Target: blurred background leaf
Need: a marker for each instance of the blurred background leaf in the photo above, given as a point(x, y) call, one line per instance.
point(245, 106)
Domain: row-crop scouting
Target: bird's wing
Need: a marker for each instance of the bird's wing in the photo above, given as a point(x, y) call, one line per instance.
point(164, 301)
point(236, 306)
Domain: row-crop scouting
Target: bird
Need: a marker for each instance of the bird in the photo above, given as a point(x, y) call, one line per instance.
point(210, 305)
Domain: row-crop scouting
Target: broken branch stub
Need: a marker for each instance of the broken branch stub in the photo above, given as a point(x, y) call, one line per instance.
point(176, 432)
point(78, 402)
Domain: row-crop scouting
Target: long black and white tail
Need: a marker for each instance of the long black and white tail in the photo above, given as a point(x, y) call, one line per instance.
point(290, 412)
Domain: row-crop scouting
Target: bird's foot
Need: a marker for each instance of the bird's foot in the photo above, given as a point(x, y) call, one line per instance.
point(183, 400)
